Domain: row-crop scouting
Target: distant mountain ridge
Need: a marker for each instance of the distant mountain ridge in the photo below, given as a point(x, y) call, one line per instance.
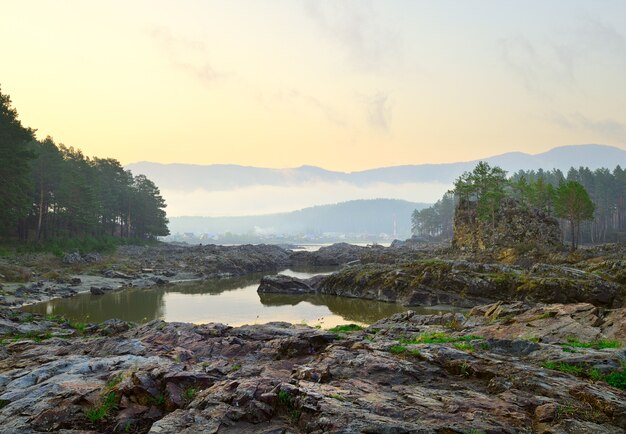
point(373, 216)
point(216, 177)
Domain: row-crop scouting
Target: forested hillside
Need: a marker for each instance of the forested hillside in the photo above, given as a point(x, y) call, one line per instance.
point(540, 189)
point(606, 188)
point(372, 216)
point(50, 191)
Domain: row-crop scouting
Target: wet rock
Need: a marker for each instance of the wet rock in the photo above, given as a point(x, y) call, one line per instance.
point(114, 274)
point(96, 291)
point(282, 284)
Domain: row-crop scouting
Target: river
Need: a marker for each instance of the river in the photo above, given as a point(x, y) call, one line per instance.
point(232, 301)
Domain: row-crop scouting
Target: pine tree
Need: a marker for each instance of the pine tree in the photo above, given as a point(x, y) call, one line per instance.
point(15, 184)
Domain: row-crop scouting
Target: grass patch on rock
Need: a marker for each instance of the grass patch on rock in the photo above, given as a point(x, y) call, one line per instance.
point(99, 413)
point(398, 349)
point(598, 344)
point(617, 378)
point(439, 338)
point(346, 328)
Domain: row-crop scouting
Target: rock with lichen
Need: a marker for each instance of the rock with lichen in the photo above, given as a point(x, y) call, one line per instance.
point(512, 226)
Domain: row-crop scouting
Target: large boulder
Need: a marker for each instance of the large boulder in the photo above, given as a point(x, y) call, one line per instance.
point(281, 284)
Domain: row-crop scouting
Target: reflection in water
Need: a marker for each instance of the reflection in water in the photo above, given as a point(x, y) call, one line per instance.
point(231, 301)
point(350, 309)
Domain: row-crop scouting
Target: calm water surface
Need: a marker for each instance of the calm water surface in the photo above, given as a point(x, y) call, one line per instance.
point(231, 301)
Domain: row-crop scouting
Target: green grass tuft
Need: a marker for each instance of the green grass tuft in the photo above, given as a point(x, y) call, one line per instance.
point(190, 393)
point(114, 381)
point(159, 400)
point(346, 328)
point(99, 413)
point(284, 398)
point(397, 349)
point(564, 367)
point(464, 346)
point(596, 344)
point(439, 338)
point(617, 379)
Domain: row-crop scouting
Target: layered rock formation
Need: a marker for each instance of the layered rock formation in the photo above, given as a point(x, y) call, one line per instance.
point(511, 226)
point(431, 282)
point(503, 368)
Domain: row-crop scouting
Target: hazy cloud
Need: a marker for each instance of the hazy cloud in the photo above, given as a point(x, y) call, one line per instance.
point(378, 111)
point(185, 54)
point(521, 58)
point(607, 128)
point(265, 199)
point(589, 38)
point(555, 60)
point(296, 97)
point(369, 43)
point(329, 113)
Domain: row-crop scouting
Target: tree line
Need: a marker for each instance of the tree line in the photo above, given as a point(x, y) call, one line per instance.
point(50, 191)
point(589, 205)
point(606, 189)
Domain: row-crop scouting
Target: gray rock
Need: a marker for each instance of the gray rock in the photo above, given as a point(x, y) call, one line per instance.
point(72, 258)
point(283, 284)
point(96, 291)
point(92, 257)
point(114, 274)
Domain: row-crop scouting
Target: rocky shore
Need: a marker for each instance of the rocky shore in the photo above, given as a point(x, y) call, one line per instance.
point(550, 360)
point(507, 368)
point(32, 278)
point(462, 283)
point(410, 274)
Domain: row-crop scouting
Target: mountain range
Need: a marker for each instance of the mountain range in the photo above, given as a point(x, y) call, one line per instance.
point(214, 177)
point(376, 216)
point(220, 190)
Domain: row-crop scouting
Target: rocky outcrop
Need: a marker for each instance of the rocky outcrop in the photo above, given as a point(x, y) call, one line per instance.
point(281, 284)
point(76, 258)
point(407, 373)
point(210, 260)
point(462, 283)
point(511, 226)
point(333, 255)
point(413, 243)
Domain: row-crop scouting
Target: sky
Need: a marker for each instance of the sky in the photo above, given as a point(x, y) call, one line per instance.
point(345, 85)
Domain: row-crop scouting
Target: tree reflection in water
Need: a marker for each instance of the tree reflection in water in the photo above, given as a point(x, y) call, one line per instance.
point(233, 301)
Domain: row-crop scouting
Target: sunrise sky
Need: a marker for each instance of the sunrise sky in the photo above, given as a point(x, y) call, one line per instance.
point(345, 85)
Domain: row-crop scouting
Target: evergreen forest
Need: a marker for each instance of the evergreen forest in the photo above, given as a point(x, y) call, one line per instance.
point(52, 192)
point(595, 213)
